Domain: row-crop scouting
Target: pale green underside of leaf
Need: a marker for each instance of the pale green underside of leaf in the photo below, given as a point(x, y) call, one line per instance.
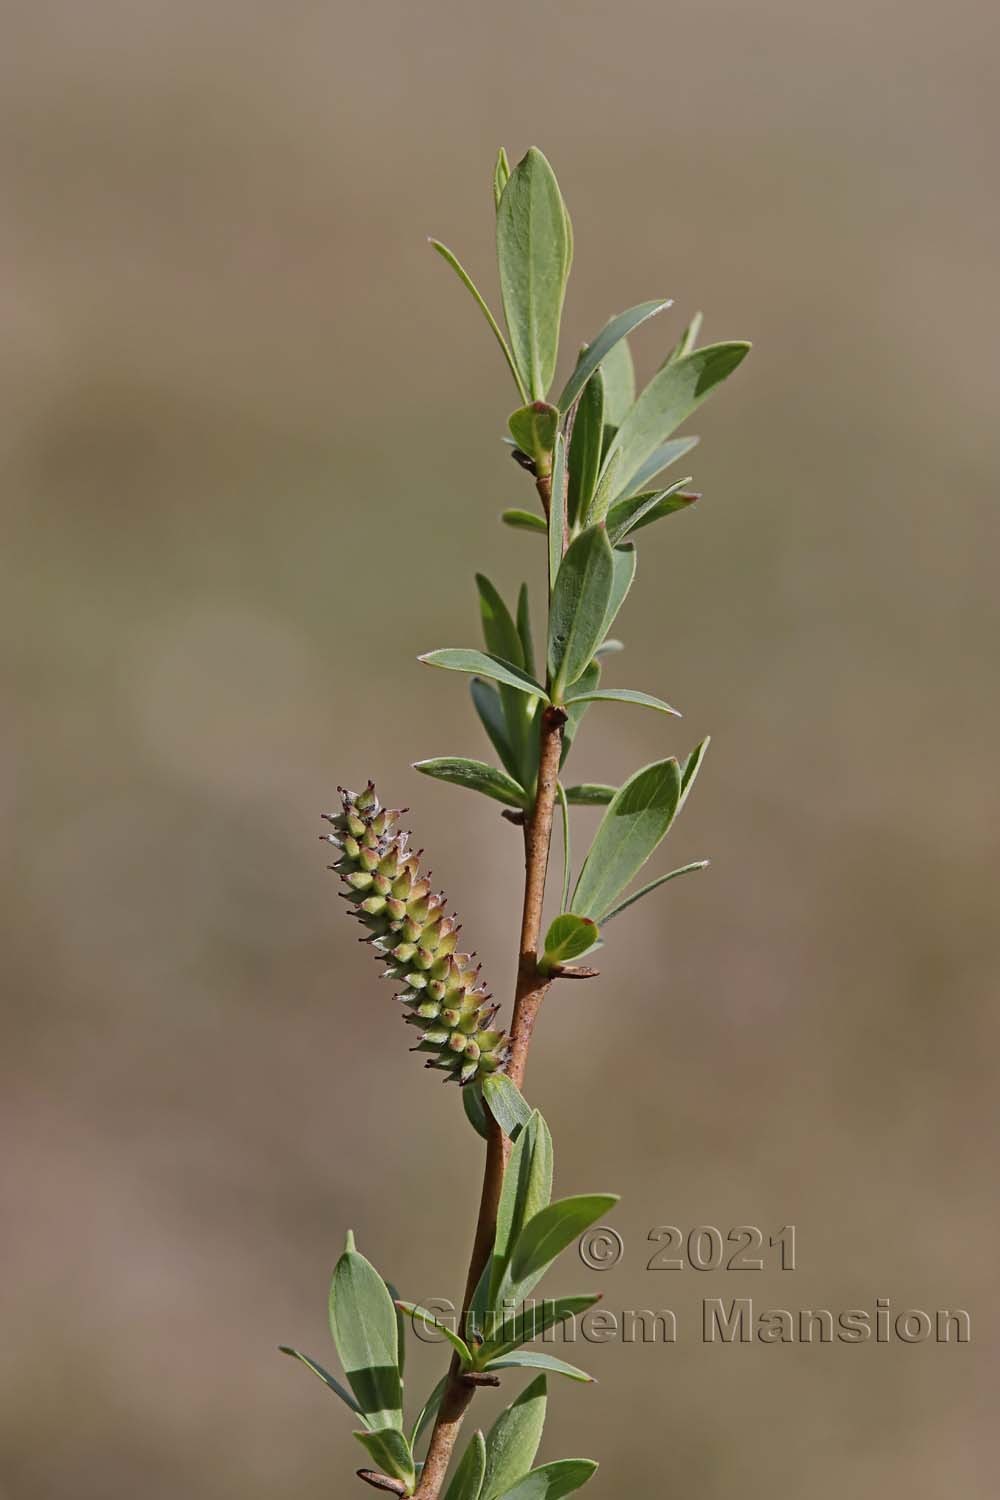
point(596, 353)
point(506, 1103)
point(465, 659)
point(476, 776)
point(480, 301)
point(467, 1480)
point(527, 1359)
point(698, 864)
point(659, 460)
point(636, 820)
point(363, 1325)
point(624, 695)
point(513, 1440)
point(390, 1451)
point(671, 396)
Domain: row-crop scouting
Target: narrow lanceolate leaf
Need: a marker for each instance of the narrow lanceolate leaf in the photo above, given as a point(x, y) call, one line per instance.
point(363, 1325)
point(627, 515)
point(699, 864)
point(671, 396)
point(428, 1411)
point(590, 794)
point(618, 373)
point(690, 769)
point(527, 1188)
point(400, 1330)
point(552, 1481)
point(636, 819)
point(534, 249)
point(557, 510)
point(475, 775)
point(623, 695)
point(523, 520)
point(467, 1481)
point(513, 1440)
point(550, 1231)
point(579, 606)
point(687, 340)
point(621, 582)
point(503, 641)
point(428, 1320)
point(328, 1380)
point(662, 458)
point(391, 1453)
point(506, 1104)
point(499, 629)
point(501, 173)
point(475, 1109)
point(464, 659)
point(611, 334)
point(533, 429)
point(491, 715)
point(605, 490)
point(585, 449)
point(669, 506)
point(575, 713)
point(535, 1318)
point(480, 301)
point(527, 1359)
point(568, 937)
point(524, 629)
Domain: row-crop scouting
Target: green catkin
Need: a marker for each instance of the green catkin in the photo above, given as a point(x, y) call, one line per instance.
point(407, 925)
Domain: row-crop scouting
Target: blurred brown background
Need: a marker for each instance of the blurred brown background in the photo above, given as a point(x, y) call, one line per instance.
point(250, 454)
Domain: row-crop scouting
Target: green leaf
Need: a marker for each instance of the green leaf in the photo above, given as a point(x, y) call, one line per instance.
point(400, 1330)
point(464, 659)
point(467, 1480)
point(662, 458)
point(699, 864)
point(477, 776)
point(480, 301)
point(624, 558)
point(523, 520)
point(391, 1453)
point(524, 629)
point(506, 1104)
point(690, 769)
point(627, 515)
point(604, 491)
point(501, 174)
point(527, 1188)
point(585, 449)
point(567, 937)
point(533, 1320)
point(567, 861)
point(548, 1233)
point(534, 248)
point(513, 1440)
point(587, 683)
point(579, 607)
point(428, 1412)
point(421, 1315)
point(671, 396)
point(610, 335)
point(618, 372)
point(363, 1325)
point(527, 1359)
point(624, 695)
point(687, 340)
point(533, 429)
point(499, 630)
point(557, 510)
point(327, 1379)
point(590, 794)
point(636, 819)
point(669, 506)
point(475, 1109)
point(490, 710)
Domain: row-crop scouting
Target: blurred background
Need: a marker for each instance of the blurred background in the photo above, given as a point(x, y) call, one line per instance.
point(251, 456)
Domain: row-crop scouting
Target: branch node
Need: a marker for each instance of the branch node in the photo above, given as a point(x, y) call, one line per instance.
point(514, 815)
point(572, 971)
point(476, 1378)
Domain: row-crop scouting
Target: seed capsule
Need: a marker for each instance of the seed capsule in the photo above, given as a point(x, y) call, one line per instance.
point(408, 929)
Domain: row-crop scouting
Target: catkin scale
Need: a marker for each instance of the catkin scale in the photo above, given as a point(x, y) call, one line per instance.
point(408, 927)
